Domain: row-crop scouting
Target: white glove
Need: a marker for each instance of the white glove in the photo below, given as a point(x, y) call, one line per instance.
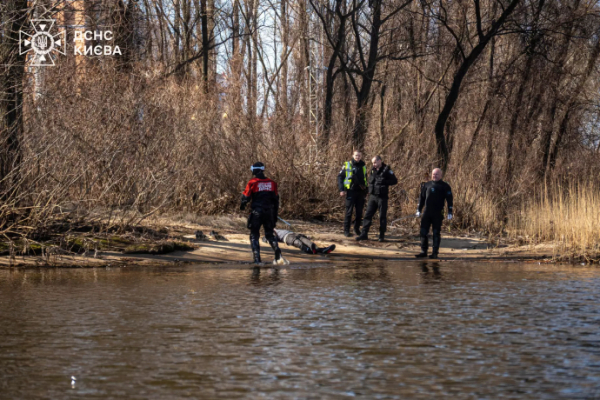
point(449, 217)
point(418, 214)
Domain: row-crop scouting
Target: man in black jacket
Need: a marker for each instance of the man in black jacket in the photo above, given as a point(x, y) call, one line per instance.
point(433, 195)
point(352, 182)
point(379, 181)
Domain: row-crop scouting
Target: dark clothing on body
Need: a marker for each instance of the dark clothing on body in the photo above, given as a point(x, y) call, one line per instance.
point(379, 182)
point(354, 200)
point(435, 222)
point(374, 204)
point(358, 177)
point(433, 196)
point(355, 196)
point(263, 194)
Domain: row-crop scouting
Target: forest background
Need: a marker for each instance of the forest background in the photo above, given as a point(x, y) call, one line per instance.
point(503, 95)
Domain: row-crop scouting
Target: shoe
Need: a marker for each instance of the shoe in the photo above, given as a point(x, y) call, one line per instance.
point(279, 260)
point(434, 256)
point(381, 237)
point(326, 250)
point(362, 237)
point(357, 231)
point(347, 234)
point(421, 255)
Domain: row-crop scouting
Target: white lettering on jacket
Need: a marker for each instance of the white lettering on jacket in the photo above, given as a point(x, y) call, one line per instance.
point(264, 186)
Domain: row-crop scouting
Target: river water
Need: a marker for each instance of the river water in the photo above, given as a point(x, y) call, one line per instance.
point(383, 331)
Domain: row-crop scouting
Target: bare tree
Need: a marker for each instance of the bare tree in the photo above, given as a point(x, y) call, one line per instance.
point(14, 18)
point(468, 58)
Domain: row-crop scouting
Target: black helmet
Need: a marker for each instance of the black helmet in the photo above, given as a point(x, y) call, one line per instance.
point(257, 167)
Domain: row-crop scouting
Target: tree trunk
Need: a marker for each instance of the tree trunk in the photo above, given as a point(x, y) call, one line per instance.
point(283, 75)
point(442, 147)
point(591, 64)
point(11, 106)
point(205, 44)
point(330, 75)
point(176, 32)
point(361, 122)
point(556, 77)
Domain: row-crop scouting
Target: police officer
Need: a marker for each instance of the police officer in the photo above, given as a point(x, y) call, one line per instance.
point(262, 191)
point(433, 195)
point(380, 179)
point(352, 182)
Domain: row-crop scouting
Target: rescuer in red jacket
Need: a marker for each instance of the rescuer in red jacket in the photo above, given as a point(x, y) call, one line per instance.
point(262, 193)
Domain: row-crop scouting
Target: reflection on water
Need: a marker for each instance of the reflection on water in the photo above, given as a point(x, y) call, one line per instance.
point(421, 330)
point(430, 273)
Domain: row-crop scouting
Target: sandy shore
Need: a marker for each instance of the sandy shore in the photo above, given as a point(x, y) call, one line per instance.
point(401, 245)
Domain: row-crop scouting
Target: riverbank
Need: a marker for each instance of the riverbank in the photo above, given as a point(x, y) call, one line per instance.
point(172, 241)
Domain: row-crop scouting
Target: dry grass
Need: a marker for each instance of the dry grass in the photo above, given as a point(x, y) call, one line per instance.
point(569, 219)
point(216, 221)
point(125, 151)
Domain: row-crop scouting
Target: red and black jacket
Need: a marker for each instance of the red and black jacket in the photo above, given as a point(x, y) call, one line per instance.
point(263, 193)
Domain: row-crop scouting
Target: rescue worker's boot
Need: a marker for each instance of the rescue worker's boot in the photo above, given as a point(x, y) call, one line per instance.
point(364, 235)
point(347, 233)
point(279, 260)
point(255, 250)
point(326, 250)
point(381, 237)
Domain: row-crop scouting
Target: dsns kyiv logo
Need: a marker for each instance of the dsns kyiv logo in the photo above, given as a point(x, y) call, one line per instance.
point(42, 42)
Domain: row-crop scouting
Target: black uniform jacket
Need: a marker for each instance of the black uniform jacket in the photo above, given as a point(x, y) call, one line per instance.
point(379, 180)
point(433, 195)
point(263, 193)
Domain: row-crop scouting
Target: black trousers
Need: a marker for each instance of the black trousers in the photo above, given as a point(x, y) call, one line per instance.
point(354, 200)
point(263, 218)
point(431, 220)
point(376, 203)
point(260, 218)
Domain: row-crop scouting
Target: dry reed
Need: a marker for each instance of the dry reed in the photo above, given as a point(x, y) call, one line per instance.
point(567, 218)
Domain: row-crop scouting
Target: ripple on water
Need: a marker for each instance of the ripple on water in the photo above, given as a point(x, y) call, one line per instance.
point(376, 331)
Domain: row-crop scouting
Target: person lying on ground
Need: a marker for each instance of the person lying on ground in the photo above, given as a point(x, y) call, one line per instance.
point(300, 241)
